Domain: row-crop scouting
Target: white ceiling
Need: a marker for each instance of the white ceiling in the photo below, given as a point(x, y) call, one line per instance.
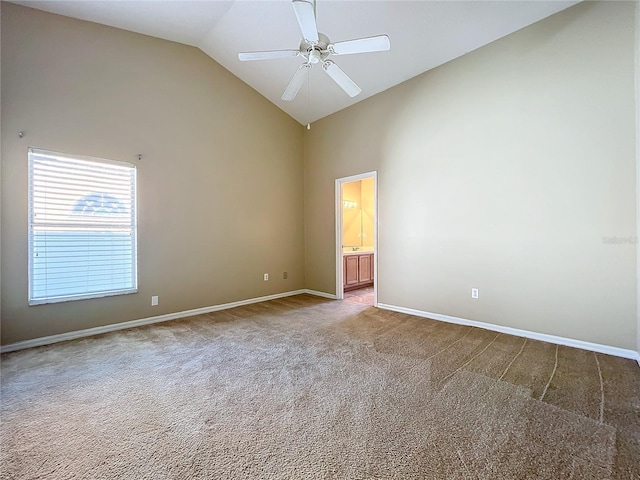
point(423, 34)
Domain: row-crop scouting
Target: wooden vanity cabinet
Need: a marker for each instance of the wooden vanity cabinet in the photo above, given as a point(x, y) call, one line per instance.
point(358, 270)
point(351, 271)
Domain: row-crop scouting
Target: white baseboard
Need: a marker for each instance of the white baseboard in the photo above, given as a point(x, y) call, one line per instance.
point(569, 342)
point(37, 342)
point(320, 294)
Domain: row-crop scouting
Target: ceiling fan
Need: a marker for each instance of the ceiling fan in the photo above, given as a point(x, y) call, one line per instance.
point(315, 48)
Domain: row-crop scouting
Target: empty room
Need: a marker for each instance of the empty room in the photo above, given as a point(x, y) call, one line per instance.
point(319, 239)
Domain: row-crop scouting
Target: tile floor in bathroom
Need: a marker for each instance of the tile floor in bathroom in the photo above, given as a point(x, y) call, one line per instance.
point(361, 295)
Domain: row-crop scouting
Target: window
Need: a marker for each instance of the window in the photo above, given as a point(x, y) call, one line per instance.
point(82, 227)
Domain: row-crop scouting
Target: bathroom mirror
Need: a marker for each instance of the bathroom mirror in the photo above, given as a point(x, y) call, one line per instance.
point(357, 215)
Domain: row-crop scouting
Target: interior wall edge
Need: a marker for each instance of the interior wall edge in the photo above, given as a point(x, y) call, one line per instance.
point(318, 293)
point(114, 327)
point(543, 337)
point(0, 176)
point(637, 90)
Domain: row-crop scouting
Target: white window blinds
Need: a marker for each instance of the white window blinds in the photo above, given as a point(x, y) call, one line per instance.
point(82, 227)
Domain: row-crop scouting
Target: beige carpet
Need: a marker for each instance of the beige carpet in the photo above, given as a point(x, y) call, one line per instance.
point(305, 388)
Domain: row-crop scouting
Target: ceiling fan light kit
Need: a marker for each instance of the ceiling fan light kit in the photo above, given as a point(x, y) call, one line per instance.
point(315, 48)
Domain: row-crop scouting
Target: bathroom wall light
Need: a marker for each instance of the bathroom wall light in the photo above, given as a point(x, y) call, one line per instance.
point(349, 204)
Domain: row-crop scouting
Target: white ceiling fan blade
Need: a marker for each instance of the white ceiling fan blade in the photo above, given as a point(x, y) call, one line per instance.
point(247, 56)
point(307, 19)
point(296, 82)
point(341, 78)
point(361, 45)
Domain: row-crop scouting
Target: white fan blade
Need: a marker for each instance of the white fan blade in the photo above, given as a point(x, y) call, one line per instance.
point(307, 19)
point(361, 45)
point(341, 78)
point(247, 56)
point(296, 82)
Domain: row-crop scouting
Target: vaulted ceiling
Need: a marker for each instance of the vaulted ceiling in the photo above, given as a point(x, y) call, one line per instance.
point(423, 35)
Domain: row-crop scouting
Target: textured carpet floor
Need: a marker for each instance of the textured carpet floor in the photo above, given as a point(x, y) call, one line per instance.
point(303, 387)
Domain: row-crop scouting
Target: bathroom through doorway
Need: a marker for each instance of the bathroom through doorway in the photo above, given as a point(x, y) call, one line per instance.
point(356, 238)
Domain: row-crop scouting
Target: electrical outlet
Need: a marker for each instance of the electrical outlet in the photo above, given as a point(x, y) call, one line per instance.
point(266, 277)
point(154, 300)
point(474, 293)
point(285, 275)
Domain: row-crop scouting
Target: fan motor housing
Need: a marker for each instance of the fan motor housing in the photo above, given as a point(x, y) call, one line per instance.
point(322, 47)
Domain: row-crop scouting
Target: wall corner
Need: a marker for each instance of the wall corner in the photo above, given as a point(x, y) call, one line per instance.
point(637, 98)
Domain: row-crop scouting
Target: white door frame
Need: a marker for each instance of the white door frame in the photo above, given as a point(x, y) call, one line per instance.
point(339, 261)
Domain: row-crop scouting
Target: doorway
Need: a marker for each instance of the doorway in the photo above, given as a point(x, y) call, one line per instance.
point(356, 207)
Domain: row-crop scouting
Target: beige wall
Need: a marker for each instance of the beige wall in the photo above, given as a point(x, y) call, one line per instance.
point(220, 185)
point(1, 179)
point(502, 170)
